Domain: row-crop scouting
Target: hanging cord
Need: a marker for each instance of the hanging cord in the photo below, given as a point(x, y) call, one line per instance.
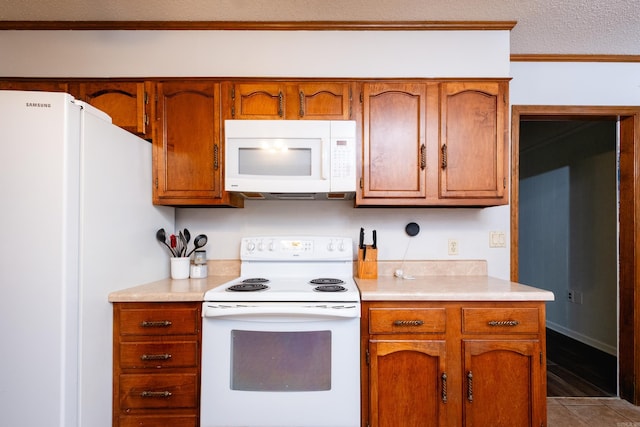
point(400, 272)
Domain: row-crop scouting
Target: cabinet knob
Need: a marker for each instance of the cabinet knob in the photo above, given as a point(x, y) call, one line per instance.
point(165, 356)
point(503, 323)
point(408, 323)
point(444, 387)
point(444, 156)
point(156, 324)
point(165, 394)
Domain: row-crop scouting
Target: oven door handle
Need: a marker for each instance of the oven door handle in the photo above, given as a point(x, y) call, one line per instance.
point(272, 312)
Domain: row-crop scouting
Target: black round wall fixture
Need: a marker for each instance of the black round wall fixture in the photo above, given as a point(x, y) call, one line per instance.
point(412, 229)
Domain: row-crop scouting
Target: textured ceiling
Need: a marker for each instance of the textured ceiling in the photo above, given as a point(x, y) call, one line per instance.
point(591, 27)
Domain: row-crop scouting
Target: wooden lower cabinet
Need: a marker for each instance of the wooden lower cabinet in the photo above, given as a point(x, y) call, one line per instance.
point(156, 364)
point(453, 364)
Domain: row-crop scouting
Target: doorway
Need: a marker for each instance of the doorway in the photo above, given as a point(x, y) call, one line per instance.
point(569, 245)
point(628, 122)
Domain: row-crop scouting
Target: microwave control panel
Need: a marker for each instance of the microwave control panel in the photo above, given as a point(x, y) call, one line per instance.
point(343, 156)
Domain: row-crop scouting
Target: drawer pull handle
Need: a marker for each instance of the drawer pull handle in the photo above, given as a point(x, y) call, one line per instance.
point(444, 387)
point(156, 394)
point(503, 323)
point(165, 356)
point(158, 324)
point(408, 323)
point(470, 386)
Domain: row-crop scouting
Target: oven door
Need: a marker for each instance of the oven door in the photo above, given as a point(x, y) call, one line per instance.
point(280, 365)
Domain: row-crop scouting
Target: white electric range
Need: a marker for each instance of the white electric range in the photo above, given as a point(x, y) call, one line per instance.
point(283, 338)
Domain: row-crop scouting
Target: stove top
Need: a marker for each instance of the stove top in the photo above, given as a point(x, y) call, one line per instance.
point(276, 268)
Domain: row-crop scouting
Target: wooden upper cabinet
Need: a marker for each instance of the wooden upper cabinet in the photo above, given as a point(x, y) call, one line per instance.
point(39, 85)
point(434, 143)
point(321, 101)
point(394, 141)
point(188, 154)
point(254, 100)
point(126, 102)
point(274, 100)
point(473, 147)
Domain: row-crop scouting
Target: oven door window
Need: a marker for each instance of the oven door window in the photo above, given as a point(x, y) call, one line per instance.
point(280, 361)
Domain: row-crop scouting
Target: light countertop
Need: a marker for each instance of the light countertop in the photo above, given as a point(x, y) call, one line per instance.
point(433, 281)
point(168, 290)
point(448, 288)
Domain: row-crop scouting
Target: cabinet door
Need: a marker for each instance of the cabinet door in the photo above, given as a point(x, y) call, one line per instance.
point(320, 101)
point(394, 147)
point(46, 86)
point(256, 100)
point(125, 102)
point(502, 383)
point(187, 151)
point(473, 140)
point(408, 383)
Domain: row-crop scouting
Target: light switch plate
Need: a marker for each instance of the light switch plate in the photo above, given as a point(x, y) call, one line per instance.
point(497, 239)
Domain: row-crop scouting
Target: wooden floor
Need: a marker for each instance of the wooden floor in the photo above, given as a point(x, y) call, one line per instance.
point(562, 382)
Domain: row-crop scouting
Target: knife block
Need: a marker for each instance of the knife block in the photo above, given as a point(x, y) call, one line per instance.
point(367, 266)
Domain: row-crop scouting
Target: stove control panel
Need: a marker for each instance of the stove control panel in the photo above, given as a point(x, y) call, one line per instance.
point(276, 248)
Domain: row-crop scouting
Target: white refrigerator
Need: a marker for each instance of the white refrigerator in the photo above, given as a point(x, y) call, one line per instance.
point(77, 223)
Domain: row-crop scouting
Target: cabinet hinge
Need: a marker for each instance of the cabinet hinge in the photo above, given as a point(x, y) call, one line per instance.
point(361, 183)
point(504, 183)
point(366, 356)
point(146, 98)
point(156, 183)
point(361, 97)
point(540, 358)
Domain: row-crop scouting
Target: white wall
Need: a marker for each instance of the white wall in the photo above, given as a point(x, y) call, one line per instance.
point(254, 53)
point(294, 54)
point(575, 83)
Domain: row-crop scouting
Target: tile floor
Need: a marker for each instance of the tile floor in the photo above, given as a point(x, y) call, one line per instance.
point(591, 412)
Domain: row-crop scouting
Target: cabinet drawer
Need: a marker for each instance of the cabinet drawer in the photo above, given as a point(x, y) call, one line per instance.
point(500, 320)
point(141, 391)
point(176, 321)
point(166, 354)
point(407, 321)
point(159, 421)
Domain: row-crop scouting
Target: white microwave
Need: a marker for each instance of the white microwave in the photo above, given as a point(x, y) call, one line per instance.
point(290, 159)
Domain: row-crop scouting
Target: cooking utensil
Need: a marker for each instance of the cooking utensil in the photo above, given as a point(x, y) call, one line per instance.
point(375, 240)
point(161, 235)
point(183, 243)
point(361, 244)
point(199, 241)
point(187, 236)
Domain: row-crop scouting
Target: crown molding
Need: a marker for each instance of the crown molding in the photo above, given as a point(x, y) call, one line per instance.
point(573, 58)
point(260, 25)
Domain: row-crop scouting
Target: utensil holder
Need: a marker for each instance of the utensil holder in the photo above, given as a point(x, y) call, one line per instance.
point(180, 268)
point(367, 266)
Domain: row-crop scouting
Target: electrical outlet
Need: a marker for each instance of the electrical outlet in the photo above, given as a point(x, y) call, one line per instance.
point(453, 247)
point(574, 296)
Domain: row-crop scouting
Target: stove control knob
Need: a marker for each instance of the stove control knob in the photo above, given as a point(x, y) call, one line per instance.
point(341, 247)
point(251, 246)
point(261, 246)
point(331, 247)
point(272, 246)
